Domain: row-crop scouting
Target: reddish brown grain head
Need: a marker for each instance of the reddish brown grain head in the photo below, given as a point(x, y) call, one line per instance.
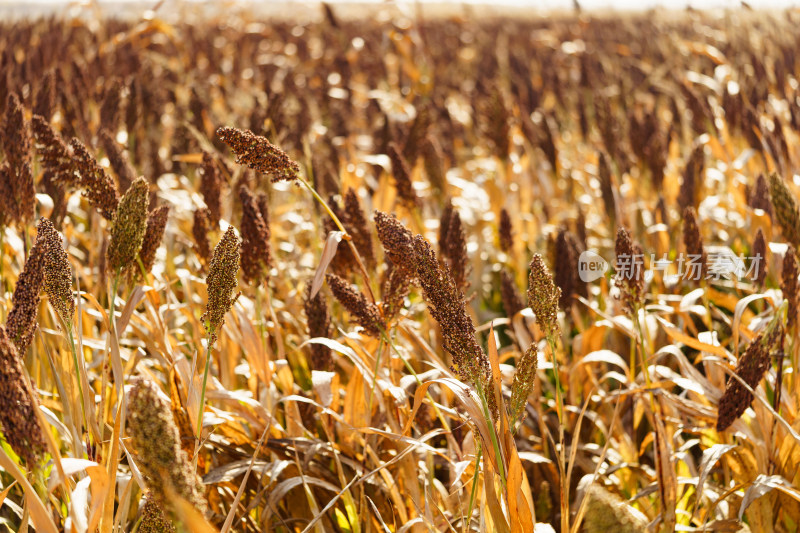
point(790, 286)
point(319, 325)
point(402, 178)
point(21, 321)
point(397, 242)
point(98, 187)
point(362, 310)
point(57, 271)
point(154, 233)
point(256, 254)
point(259, 154)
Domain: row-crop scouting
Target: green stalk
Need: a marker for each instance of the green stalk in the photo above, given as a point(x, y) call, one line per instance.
point(474, 490)
point(564, 488)
point(71, 337)
point(492, 433)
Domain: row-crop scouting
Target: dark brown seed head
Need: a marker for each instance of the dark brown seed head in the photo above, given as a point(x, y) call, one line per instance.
point(156, 223)
point(402, 178)
point(512, 301)
point(692, 178)
point(397, 242)
point(786, 210)
point(45, 102)
point(357, 227)
point(21, 321)
point(221, 282)
point(759, 255)
point(18, 418)
point(433, 160)
point(417, 132)
point(446, 304)
point(57, 271)
point(790, 287)
point(15, 137)
point(25, 193)
point(8, 203)
point(118, 159)
point(505, 232)
point(164, 465)
point(211, 187)
point(200, 228)
point(259, 154)
point(522, 386)
point(759, 197)
point(256, 255)
point(128, 228)
point(365, 313)
point(154, 518)
point(110, 109)
point(567, 251)
point(751, 368)
point(630, 269)
point(497, 123)
point(319, 325)
point(395, 289)
point(455, 251)
point(55, 155)
point(97, 185)
point(693, 242)
point(607, 186)
point(543, 297)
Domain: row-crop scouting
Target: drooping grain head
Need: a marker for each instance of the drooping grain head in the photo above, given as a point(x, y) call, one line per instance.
point(790, 286)
point(395, 289)
point(786, 210)
point(417, 132)
point(18, 419)
point(397, 242)
point(256, 255)
point(259, 154)
point(692, 178)
point(153, 234)
point(402, 178)
point(98, 187)
point(21, 321)
point(57, 271)
point(444, 225)
point(45, 103)
point(362, 310)
point(751, 368)
point(543, 297)
point(446, 304)
point(505, 232)
point(157, 447)
point(606, 512)
point(319, 325)
point(357, 227)
point(118, 159)
point(221, 282)
point(128, 228)
point(55, 155)
point(693, 242)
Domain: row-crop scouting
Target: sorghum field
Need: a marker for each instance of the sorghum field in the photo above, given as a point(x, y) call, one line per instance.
point(400, 273)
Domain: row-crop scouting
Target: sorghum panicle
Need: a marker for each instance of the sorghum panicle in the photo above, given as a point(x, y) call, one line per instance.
point(790, 286)
point(211, 187)
point(505, 232)
point(259, 154)
point(357, 227)
point(759, 252)
point(200, 228)
point(524, 380)
point(397, 242)
point(98, 187)
point(319, 325)
point(156, 441)
point(630, 269)
point(153, 234)
point(751, 368)
point(118, 159)
point(221, 282)
point(402, 178)
point(607, 512)
point(255, 254)
point(693, 241)
point(786, 211)
point(512, 302)
point(57, 271)
point(128, 227)
point(21, 322)
point(366, 313)
point(543, 297)
point(18, 418)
